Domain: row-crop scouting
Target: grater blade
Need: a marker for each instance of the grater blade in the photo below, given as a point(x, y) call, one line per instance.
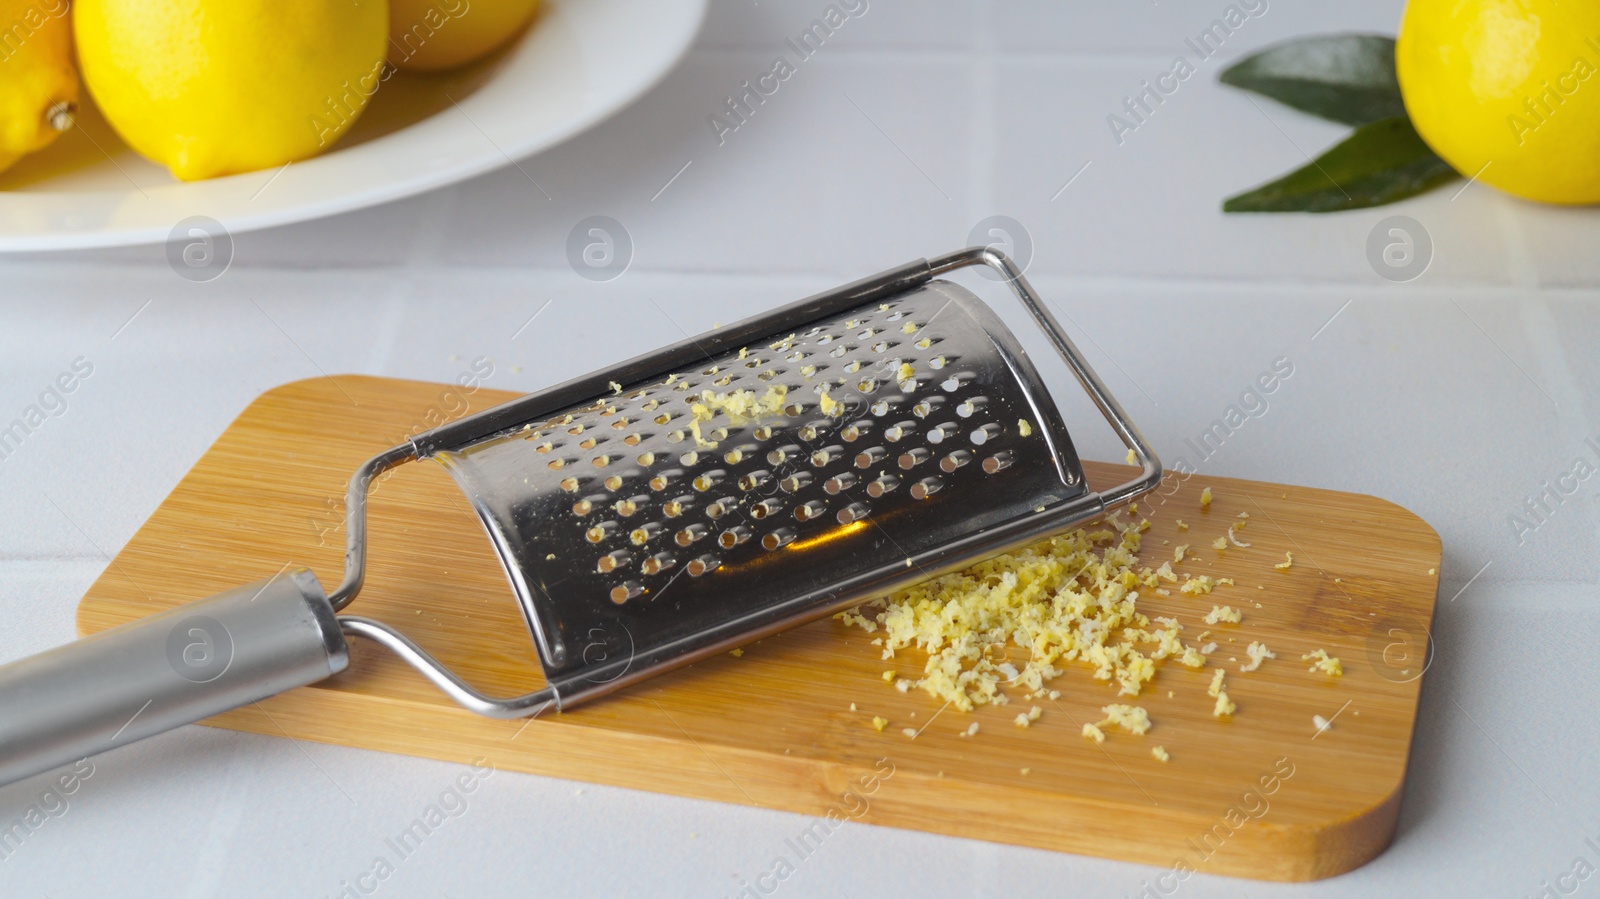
point(767, 484)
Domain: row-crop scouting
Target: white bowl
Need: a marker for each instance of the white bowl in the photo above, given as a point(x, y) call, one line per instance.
point(580, 62)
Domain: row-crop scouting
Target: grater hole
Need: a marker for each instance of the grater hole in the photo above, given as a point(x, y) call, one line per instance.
point(582, 507)
point(777, 539)
point(856, 430)
point(838, 352)
point(809, 511)
point(827, 455)
point(794, 482)
point(880, 408)
point(754, 479)
point(733, 456)
point(852, 366)
point(639, 536)
point(925, 488)
point(937, 362)
point(600, 531)
point(627, 507)
point(661, 481)
point(954, 461)
point(613, 560)
point(870, 457)
point(900, 431)
point(663, 418)
point(852, 513)
point(647, 459)
point(997, 462)
point(703, 565)
point(689, 458)
point(924, 343)
point(733, 536)
point(706, 480)
point(883, 484)
point(657, 563)
point(971, 405)
point(983, 435)
point(913, 457)
point(557, 464)
point(575, 429)
point(620, 423)
point(587, 443)
point(721, 507)
point(676, 507)
point(625, 591)
point(794, 410)
point(938, 433)
point(613, 483)
point(675, 436)
point(602, 461)
point(569, 484)
point(687, 536)
point(839, 483)
point(765, 508)
point(632, 439)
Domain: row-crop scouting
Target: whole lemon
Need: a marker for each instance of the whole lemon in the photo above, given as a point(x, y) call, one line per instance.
point(431, 35)
point(215, 87)
point(1507, 90)
point(38, 85)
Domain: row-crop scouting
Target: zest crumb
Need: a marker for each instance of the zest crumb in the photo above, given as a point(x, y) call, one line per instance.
point(1321, 661)
point(1199, 585)
point(852, 706)
point(910, 732)
point(1220, 543)
point(1233, 536)
point(1216, 685)
point(1224, 706)
point(1205, 498)
point(1028, 717)
point(1433, 571)
point(1131, 458)
point(908, 328)
point(1220, 614)
point(1130, 718)
point(905, 372)
point(1258, 653)
point(1094, 733)
point(617, 388)
point(1159, 753)
point(736, 653)
point(829, 406)
point(1321, 723)
point(1287, 563)
point(1024, 428)
point(1181, 525)
point(1178, 554)
point(879, 724)
point(971, 731)
point(1026, 771)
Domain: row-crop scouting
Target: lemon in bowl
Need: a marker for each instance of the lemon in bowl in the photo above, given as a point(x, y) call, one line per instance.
point(217, 87)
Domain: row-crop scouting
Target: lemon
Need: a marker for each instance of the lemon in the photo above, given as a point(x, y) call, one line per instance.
point(431, 35)
point(1507, 90)
point(38, 86)
point(215, 87)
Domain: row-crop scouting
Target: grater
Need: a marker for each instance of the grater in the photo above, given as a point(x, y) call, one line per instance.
point(670, 507)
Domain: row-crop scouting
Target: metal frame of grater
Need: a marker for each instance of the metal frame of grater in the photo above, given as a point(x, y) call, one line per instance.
point(246, 644)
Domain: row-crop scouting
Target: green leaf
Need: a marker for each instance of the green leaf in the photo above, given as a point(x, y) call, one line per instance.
point(1348, 78)
point(1378, 163)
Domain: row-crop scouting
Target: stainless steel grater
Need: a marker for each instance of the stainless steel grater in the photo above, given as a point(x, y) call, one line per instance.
point(670, 507)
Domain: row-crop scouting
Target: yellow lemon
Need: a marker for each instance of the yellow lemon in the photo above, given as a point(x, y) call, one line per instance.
point(1507, 90)
point(38, 86)
point(431, 35)
point(215, 87)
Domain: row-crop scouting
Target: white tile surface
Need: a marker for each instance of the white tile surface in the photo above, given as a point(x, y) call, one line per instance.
point(1457, 395)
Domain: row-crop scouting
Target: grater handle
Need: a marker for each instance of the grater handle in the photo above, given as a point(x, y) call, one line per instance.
point(170, 669)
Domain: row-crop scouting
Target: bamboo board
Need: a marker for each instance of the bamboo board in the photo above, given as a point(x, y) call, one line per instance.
point(1264, 794)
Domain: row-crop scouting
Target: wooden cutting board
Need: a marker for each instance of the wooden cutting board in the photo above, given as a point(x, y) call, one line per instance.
point(1264, 794)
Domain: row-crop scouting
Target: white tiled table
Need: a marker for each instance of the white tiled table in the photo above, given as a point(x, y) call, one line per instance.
point(1456, 395)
